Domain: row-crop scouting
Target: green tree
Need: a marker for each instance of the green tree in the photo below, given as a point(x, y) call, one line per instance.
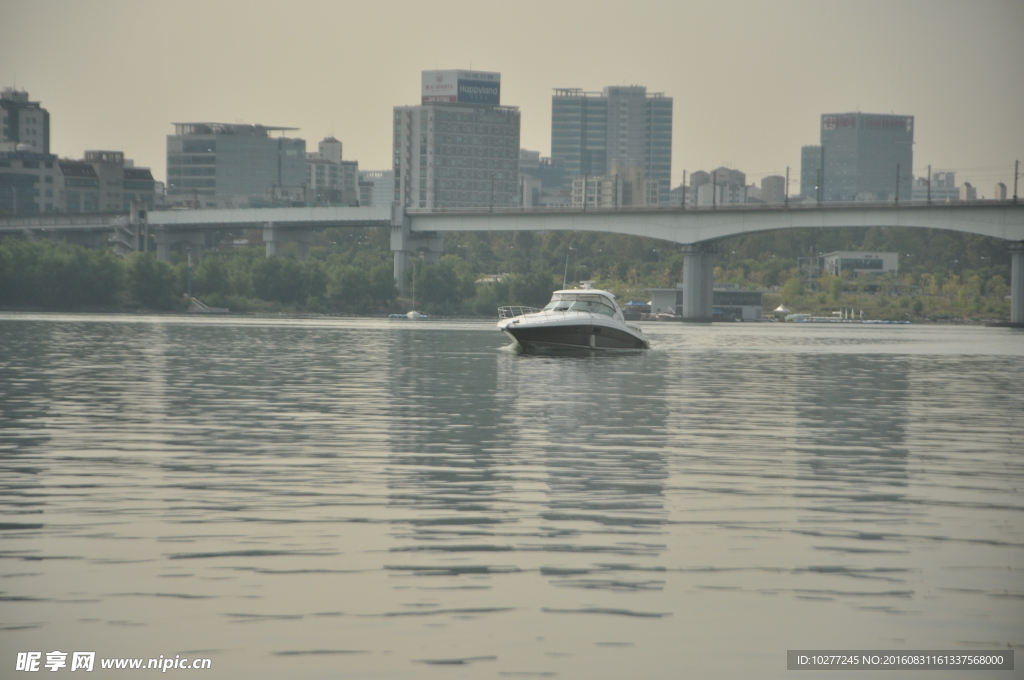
point(277, 279)
point(239, 272)
point(792, 290)
point(968, 296)
point(57, 275)
point(211, 276)
point(996, 287)
point(443, 286)
point(832, 284)
point(314, 278)
point(151, 282)
point(354, 289)
point(886, 284)
point(930, 285)
point(951, 286)
point(489, 297)
point(532, 289)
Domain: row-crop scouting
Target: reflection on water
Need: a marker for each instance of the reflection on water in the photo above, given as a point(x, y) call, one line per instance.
point(852, 413)
point(347, 498)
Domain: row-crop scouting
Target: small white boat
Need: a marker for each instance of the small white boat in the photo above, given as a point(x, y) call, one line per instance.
point(587, 319)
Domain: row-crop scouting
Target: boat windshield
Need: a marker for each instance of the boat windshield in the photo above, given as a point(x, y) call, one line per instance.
point(576, 302)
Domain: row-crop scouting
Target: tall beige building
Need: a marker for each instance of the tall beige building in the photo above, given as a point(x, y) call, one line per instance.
point(330, 179)
point(773, 189)
point(109, 168)
point(459, 148)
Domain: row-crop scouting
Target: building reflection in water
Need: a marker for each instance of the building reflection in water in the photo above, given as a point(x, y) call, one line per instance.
point(852, 417)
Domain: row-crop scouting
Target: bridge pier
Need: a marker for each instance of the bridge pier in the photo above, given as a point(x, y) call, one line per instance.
point(131, 234)
point(404, 242)
point(165, 238)
point(698, 282)
point(274, 235)
point(1017, 282)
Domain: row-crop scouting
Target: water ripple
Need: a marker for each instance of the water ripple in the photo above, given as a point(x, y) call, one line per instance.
point(389, 496)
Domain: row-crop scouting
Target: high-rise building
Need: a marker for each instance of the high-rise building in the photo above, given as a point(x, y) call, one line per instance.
point(29, 182)
point(810, 171)
point(376, 187)
point(109, 169)
point(231, 164)
point(590, 131)
point(23, 122)
point(80, 190)
point(459, 148)
point(773, 189)
point(866, 156)
point(332, 183)
point(330, 179)
point(328, 148)
point(542, 182)
point(139, 186)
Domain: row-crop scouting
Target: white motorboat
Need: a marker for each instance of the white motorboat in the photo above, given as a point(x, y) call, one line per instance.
point(587, 319)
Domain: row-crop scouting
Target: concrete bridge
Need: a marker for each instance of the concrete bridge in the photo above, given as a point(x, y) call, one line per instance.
point(696, 230)
point(416, 231)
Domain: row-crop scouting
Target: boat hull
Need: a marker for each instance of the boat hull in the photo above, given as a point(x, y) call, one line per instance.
point(586, 319)
point(573, 336)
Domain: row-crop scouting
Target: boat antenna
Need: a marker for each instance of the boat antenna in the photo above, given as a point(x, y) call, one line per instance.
point(565, 274)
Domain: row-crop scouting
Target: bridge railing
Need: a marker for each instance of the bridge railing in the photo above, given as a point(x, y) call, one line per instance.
point(512, 311)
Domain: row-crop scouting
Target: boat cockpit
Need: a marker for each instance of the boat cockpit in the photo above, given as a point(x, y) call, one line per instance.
point(580, 302)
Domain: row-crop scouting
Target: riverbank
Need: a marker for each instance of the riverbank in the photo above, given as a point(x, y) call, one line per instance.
point(383, 314)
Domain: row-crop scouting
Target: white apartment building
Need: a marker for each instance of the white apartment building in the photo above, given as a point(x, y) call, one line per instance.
point(943, 188)
point(626, 186)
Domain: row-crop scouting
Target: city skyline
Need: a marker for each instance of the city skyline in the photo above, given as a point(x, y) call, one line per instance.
point(749, 84)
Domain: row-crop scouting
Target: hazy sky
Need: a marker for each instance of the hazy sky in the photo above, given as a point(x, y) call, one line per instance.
point(749, 78)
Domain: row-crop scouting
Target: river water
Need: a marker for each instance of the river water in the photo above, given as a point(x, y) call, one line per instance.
point(362, 498)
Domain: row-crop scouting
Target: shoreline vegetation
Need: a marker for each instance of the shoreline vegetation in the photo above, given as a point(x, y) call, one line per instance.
point(945, 277)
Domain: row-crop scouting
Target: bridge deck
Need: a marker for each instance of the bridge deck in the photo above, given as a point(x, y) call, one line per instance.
point(999, 219)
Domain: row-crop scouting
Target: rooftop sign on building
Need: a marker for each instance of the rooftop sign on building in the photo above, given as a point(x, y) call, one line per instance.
point(867, 122)
point(461, 87)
